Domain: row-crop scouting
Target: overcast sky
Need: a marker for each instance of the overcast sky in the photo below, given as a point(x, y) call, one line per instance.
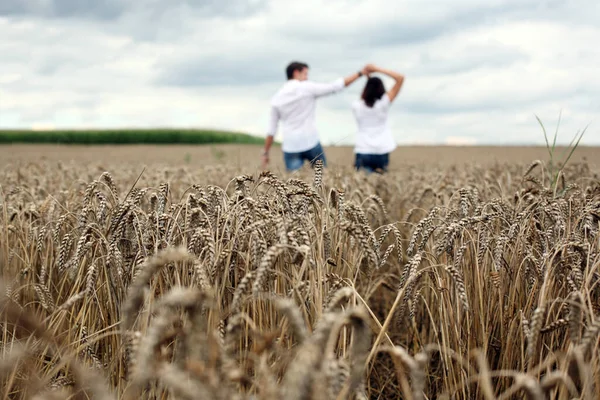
point(476, 71)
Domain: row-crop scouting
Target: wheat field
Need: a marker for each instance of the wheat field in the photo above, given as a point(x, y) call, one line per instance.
point(470, 281)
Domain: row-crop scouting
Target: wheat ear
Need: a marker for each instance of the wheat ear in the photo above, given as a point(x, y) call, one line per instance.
point(148, 269)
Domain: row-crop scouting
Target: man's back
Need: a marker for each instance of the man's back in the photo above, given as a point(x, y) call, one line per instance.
point(294, 105)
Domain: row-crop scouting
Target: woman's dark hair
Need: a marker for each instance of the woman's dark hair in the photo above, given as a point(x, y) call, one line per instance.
point(373, 91)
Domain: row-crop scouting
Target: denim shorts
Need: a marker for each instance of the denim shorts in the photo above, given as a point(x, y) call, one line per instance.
point(295, 161)
point(372, 162)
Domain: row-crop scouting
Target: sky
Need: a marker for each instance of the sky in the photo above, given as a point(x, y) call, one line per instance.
point(476, 72)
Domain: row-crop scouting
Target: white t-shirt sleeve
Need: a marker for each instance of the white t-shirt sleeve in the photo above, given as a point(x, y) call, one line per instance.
point(273, 122)
point(384, 102)
point(323, 89)
point(355, 105)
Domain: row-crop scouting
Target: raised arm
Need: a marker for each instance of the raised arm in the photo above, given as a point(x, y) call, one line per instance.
point(350, 79)
point(324, 89)
point(398, 78)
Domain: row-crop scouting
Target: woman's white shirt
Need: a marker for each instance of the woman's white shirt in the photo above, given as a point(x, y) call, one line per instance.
point(374, 135)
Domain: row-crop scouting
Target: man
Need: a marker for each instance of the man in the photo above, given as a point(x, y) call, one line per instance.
point(294, 105)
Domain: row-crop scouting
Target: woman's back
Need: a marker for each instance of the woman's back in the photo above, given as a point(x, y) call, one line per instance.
point(374, 135)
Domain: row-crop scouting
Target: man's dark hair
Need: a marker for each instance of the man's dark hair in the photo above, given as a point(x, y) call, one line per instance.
point(373, 91)
point(294, 66)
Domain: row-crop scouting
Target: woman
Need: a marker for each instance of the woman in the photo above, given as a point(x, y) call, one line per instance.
point(374, 141)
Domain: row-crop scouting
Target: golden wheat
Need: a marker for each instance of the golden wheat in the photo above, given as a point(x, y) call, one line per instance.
point(472, 283)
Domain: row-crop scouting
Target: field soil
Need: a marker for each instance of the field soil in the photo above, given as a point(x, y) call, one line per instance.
point(248, 156)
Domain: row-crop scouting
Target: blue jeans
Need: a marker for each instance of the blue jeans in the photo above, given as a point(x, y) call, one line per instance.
point(372, 162)
point(295, 161)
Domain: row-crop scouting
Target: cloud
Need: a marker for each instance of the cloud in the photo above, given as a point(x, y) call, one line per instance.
point(100, 9)
point(114, 9)
point(473, 70)
point(42, 127)
point(220, 70)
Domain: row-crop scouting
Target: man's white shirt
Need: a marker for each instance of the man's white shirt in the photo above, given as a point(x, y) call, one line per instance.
point(294, 105)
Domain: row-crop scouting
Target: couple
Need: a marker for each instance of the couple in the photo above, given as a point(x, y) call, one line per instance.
point(294, 105)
